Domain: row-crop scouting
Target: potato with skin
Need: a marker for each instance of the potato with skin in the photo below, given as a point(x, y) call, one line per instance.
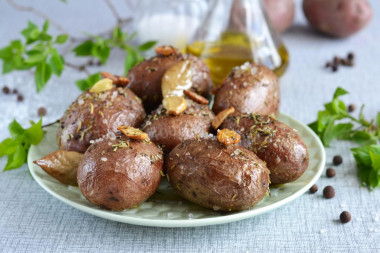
point(216, 176)
point(249, 88)
point(62, 165)
point(274, 142)
point(93, 115)
point(281, 13)
point(145, 77)
point(170, 130)
point(337, 18)
point(119, 173)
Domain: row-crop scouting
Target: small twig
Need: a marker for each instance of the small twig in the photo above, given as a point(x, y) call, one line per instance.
point(82, 67)
point(38, 13)
point(50, 124)
point(113, 10)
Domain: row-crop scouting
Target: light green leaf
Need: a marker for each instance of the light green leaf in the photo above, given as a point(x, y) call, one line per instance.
point(84, 49)
point(35, 57)
point(85, 84)
point(339, 92)
point(17, 159)
point(61, 39)
point(42, 75)
point(15, 129)
point(34, 134)
point(130, 60)
point(147, 45)
point(56, 62)
point(45, 26)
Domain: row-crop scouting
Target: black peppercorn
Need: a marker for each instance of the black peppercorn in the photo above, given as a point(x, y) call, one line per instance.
point(20, 97)
point(6, 90)
point(335, 68)
point(329, 192)
point(328, 65)
point(41, 111)
point(337, 160)
point(330, 172)
point(336, 60)
point(351, 108)
point(313, 189)
point(345, 217)
point(350, 56)
point(15, 91)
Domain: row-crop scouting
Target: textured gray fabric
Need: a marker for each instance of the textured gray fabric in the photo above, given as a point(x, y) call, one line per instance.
point(32, 220)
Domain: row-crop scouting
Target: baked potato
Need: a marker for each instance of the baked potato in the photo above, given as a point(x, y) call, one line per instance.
point(249, 88)
point(339, 18)
point(117, 173)
point(93, 115)
point(169, 130)
point(145, 77)
point(215, 176)
point(274, 142)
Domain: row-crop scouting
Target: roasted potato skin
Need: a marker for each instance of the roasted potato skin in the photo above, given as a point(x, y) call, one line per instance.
point(215, 176)
point(93, 115)
point(274, 142)
point(115, 176)
point(145, 77)
point(168, 130)
point(250, 88)
point(339, 18)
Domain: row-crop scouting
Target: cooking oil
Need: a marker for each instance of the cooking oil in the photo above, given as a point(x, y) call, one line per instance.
point(234, 49)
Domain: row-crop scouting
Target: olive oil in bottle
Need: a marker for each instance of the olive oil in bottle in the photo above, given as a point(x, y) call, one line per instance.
point(236, 40)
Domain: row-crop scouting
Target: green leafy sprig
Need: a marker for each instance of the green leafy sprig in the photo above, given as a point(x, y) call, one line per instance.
point(17, 147)
point(336, 123)
point(36, 52)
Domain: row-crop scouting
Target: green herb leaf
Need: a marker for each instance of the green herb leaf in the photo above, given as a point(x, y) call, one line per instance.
point(368, 163)
point(61, 39)
point(17, 147)
point(130, 60)
point(42, 75)
point(84, 49)
point(56, 62)
point(339, 92)
point(85, 84)
point(147, 45)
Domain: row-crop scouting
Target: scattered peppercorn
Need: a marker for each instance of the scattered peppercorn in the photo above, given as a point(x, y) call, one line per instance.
point(328, 64)
point(313, 189)
point(15, 91)
point(20, 97)
point(335, 68)
point(337, 160)
point(41, 111)
point(350, 56)
point(329, 192)
point(345, 217)
point(6, 90)
point(351, 108)
point(336, 60)
point(330, 172)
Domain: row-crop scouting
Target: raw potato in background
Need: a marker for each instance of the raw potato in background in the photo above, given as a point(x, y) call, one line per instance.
point(337, 18)
point(281, 13)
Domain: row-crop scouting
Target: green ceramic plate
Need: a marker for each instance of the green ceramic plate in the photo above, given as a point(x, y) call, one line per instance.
point(165, 208)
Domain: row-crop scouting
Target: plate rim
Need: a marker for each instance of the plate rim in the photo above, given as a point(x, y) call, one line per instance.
point(190, 222)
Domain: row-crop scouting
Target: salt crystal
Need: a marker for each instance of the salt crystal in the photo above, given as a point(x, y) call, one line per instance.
point(103, 159)
point(92, 141)
point(80, 102)
point(187, 153)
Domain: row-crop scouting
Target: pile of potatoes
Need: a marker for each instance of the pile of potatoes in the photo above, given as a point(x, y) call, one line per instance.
point(118, 139)
point(336, 18)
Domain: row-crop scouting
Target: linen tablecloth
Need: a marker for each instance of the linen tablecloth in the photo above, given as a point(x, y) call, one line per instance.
point(31, 220)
